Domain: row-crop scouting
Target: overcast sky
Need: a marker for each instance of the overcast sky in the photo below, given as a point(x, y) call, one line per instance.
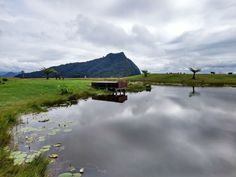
point(158, 35)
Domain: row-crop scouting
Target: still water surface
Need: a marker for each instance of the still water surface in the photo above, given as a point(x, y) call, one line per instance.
point(168, 132)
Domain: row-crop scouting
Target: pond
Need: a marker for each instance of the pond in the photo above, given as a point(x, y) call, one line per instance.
point(168, 132)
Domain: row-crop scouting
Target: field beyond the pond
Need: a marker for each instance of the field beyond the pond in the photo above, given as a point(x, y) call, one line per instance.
point(186, 79)
point(18, 92)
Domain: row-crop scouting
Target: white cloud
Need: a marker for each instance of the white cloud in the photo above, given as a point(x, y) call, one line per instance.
point(162, 36)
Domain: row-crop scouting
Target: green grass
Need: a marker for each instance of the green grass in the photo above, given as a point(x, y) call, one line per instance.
point(186, 79)
point(19, 96)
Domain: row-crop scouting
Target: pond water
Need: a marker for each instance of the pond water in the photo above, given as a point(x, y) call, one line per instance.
point(168, 132)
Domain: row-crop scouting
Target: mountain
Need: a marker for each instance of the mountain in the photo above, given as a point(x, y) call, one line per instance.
point(8, 74)
point(112, 65)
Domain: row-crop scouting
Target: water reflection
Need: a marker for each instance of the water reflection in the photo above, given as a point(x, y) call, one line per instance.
point(113, 98)
point(148, 88)
point(158, 133)
point(193, 92)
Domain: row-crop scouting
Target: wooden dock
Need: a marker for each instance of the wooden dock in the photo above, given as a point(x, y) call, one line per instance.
point(115, 86)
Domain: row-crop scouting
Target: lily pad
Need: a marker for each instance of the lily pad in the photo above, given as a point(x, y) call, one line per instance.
point(54, 156)
point(65, 175)
point(52, 133)
point(28, 160)
point(57, 145)
point(41, 138)
point(21, 156)
point(45, 148)
point(70, 175)
point(56, 130)
point(27, 129)
point(67, 130)
point(15, 153)
point(18, 156)
point(31, 157)
point(19, 161)
point(29, 140)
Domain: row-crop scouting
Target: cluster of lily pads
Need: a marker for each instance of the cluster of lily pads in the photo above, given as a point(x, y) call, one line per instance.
point(42, 128)
point(22, 157)
point(51, 131)
point(31, 134)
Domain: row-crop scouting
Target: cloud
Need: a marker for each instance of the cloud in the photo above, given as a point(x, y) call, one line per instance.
point(160, 36)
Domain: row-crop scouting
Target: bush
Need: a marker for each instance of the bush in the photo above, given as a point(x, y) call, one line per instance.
point(4, 79)
point(64, 90)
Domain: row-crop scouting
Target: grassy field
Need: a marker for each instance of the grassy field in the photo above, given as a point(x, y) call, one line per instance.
point(186, 79)
point(18, 96)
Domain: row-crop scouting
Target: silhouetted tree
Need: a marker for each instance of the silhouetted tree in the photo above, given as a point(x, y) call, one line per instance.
point(145, 73)
point(194, 72)
point(48, 71)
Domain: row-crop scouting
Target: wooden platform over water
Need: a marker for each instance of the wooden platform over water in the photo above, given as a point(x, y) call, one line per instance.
point(110, 85)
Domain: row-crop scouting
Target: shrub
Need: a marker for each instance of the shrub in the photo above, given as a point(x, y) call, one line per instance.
point(64, 90)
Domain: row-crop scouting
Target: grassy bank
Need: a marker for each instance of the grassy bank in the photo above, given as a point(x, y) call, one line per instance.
point(32, 95)
point(186, 79)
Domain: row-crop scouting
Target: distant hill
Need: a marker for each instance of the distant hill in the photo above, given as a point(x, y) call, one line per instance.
point(112, 65)
point(8, 74)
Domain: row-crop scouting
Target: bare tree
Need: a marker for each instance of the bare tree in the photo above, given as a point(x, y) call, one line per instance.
point(48, 71)
point(194, 72)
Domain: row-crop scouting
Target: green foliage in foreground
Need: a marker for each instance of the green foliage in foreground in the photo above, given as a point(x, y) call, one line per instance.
point(186, 79)
point(37, 168)
point(32, 95)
